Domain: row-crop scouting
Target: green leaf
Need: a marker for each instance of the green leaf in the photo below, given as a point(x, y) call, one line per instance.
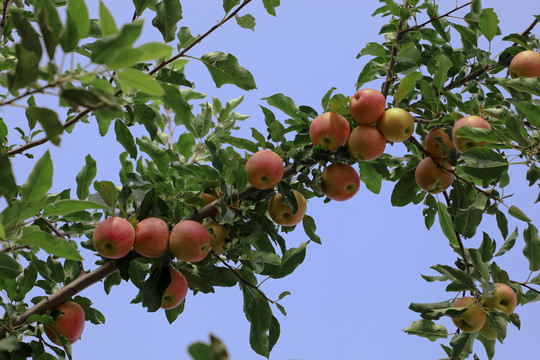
point(530, 85)
point(185, 38)
point(508, 243)
point(229, 4)
point(484, 163)
point(532, 247)
point(8, 187)
point(283, 103)
point(30, 40)
point(428, 329)
point(158, 154)
point(309, 228)
point(370, 176)
point(407, 85)
point(106, 20)
point(141, 5)
point(10, 343)
point(462, 345)
point(447, 226)
point(26, 71)
point(124, 137)
point(9, 267)
point(68, 206)
point(69, 37)
point(291, 259)
point(132, 78)
point(531, 112)
point(49, 24)
point(247, 21)
point(172, 314)
point(168, 14)
point(405, 190)
point(270, 6)
point(442, 65)
point(54, 245)
point(39, 181)
point(49, 121)
point(109, 46)
point(224, 69)
point(85, 177)
point(488, 22)
point(107, 190)
point(259, 314)
point(518, 214)
point(154, 51)
point(78, 11)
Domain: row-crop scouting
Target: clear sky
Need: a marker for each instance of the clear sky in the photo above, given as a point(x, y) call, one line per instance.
point(350, 297)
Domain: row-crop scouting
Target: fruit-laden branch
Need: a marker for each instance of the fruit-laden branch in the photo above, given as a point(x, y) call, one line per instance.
point(416, 27)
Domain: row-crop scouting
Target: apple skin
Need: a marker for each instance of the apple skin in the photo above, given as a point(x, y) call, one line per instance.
point(151, 237)
point(503, 298)
point(367, 106)
point(70, 324)
point(264, 169)
point(189, 241)
point(463, 144)
point(176, 291)
point(433, 140)
point(282, 214)
point(330, 130)
point(473, 319)
point(340, 181)
point(207, 199)
point(366, 143)
point(431, 177)
point(488, 332)
point(525, 64)
point(396, 125)
point(114, 237)
point(217, 239)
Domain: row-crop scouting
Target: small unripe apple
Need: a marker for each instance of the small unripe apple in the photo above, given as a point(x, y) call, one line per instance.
point(176, 291)
point(70, 324)
point(151, 237)
point(282, 214)
point(366, 143)
point(264, 169)
point(503, 298)
point(114, 237)
point(473, 319)
point(432, 177)
point(218, 235)
point(330, 130)
point(488, 332)
point(396, 125)
point(463, 144)
point(433, 141)
point(525, 64)
point(367, 106)
point(340, 181)
point(189, 241)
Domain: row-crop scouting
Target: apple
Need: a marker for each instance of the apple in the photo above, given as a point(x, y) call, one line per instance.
point(503, 298)
point(207, 199)
point(151, 237)
point(432, 177)
point(433, 141)
point(340, 181)
point(264, 169)
point(70, 324)
point(473, 319)
point(525, 64)
point(367, 106)
point(488, 332)
point(396, 125)
point(330, 130)
point(189, 241)
point(114, 237)
point(366, 143)
point(282, 214)
point(218, 235)
point(463, 144)
point(176, 291)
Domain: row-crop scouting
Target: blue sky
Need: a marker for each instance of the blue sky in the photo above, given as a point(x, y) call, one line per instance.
point(350, 296)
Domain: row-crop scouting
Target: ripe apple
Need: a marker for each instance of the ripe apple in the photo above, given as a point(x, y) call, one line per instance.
point(367, 106)
point(282, 214)
point(176, 291)
point(70, 324)
point(525, 64)
point(433, 141)
point(432, 177)
point(189, 241)
point(217, 238)
point(502, 298)
point(366, 143)
point(151, 237)
point(114, 237)
point(463, 144)
point(330, 130)
point(340, 181)
point(473, 319)
point(396, 125)
point(264, 169)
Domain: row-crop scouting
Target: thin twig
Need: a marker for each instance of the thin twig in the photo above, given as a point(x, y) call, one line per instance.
point(392, 63)
point(14, 248)
point(437, 17)
point(4, 17)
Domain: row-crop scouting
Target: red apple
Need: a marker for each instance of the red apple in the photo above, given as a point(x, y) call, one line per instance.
point(473, 319)
point(70, 324)
point(432, 176)
point(282, 214)
point(366, 143)
point(330, 130)
point(525, 64)
point(367, 106)
point(340, 182)
point(176, 291)
point(218, 235)
point(264, 169)
point(396, 125)
point(433, 141)
point(503, 298)
point(114, 237)
point(189, 241)
point(151, 237)
point(463, 144)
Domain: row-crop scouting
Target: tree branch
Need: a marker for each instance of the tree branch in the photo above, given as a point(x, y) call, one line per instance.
point(14, 248)
point(4, 17)
point(392, 63)
point(416, 27)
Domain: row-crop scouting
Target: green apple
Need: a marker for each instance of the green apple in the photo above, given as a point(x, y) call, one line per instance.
point(503, 298)
point(367, 106)
point(176, 291)
point(330, 130)
point(433, 141)
point(432, 176)
point(264, 169)
point(525, 64)
point(340, 181)
point(189, 241)
point(396, 125)
point(114, 237)
point(463, 144)
point(282, 214)
point(473, 319)
point(151, 237)
point(70, 324)
point(366, 143)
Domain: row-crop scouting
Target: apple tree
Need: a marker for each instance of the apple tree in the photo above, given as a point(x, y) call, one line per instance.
point(183, 161)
